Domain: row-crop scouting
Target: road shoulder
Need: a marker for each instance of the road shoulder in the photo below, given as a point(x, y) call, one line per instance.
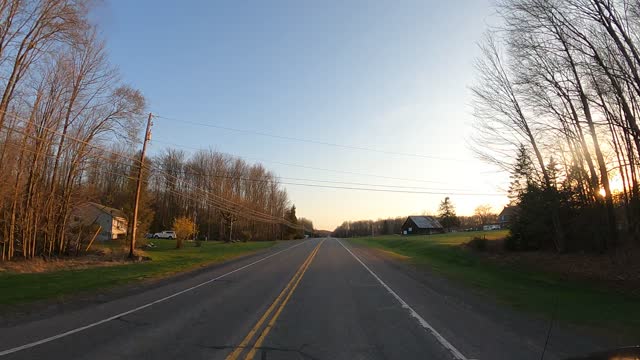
point(468, 315)
point(42, 309)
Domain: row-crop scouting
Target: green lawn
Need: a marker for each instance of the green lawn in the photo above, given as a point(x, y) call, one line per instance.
point(535, 291)
point(23, 288)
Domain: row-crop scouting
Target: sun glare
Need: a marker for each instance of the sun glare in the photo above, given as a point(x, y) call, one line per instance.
point(616, 184)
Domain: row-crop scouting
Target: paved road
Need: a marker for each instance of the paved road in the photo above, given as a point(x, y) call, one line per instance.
point(313, 299)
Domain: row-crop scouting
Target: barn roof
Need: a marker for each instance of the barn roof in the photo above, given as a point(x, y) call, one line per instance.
point(508, 211)
point(425, 222)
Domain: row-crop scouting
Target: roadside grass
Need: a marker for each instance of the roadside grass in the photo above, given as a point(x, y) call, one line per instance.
point(21, 288)
point(577, 302)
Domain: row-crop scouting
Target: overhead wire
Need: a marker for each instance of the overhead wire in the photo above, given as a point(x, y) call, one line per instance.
point(324, 181)
point(311, 141)
point(370, 189)
point(427, 191)
point(223, 202)
point(286, 183)
point(257, 215)
point(306, 166)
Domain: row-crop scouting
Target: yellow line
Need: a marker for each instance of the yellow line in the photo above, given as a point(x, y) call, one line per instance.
point(266, 330)
point(236, 353)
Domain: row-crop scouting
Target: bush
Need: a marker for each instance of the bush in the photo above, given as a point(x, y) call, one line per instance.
point(246, 235)
point(511, 243)
point(184, 227)
point(478, 243)
point(531, 228)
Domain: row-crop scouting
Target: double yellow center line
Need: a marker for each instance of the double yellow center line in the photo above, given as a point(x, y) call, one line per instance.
point(280, 302)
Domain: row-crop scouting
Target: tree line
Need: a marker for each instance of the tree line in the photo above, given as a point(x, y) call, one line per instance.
point(69, 128)
point(483, 215)
point(227, 198)
point(60, 97)
point(556, 103)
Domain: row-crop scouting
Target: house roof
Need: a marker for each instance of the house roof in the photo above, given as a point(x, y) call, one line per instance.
point(108, 210)
point(508, 211)
point(425, 222)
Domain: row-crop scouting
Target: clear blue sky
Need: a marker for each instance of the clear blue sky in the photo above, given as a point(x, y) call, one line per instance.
point(391, 75)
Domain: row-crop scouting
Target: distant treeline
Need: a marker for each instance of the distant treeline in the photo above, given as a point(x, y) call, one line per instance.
point(368, 227)
point(483, 215)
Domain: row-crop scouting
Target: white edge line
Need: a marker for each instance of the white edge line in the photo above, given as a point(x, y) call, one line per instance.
point(455, 352)
point(82, 328)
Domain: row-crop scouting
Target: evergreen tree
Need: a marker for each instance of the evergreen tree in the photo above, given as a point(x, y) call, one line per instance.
point(447, 214)
point(522, 175)
point(292, 218)
point(552, 170)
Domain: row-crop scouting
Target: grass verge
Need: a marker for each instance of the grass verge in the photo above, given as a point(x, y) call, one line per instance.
point(20, 289)
point(577, 302)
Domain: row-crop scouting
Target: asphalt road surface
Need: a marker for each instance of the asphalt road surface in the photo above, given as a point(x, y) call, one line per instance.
point(312, 299)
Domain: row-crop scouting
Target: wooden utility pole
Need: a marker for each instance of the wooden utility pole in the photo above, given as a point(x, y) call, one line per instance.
point(134, 226)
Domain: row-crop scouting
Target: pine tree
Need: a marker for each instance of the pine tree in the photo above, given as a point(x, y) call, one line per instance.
point(292, 218)
point(552, 170)
point(447, 214)
point(522, 176)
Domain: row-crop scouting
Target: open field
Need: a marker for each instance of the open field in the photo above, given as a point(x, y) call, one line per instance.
point(544, 293)
point(20, 288)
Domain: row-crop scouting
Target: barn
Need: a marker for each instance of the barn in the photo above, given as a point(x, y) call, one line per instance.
point(421, 225)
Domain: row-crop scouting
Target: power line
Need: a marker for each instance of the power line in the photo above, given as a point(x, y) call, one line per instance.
point(393, 191)
point(222, 202)
point(311, 141)
point(424, 190)
point(255, 215)
point(307, 167)
point(66, 135)
point(222, 199)
point(286, 183)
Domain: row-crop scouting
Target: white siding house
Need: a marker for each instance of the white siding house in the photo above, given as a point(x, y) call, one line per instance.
point(112, 221)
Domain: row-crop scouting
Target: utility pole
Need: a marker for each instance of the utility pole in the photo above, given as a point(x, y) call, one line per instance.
point(195, 227)
point(134, 227)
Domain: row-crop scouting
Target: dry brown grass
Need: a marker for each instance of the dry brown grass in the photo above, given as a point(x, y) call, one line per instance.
point(41, 265)
point(100, 255)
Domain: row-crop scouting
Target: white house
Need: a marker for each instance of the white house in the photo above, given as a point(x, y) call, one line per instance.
point(112, 221)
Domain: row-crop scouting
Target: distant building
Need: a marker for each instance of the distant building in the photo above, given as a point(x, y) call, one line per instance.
point(112, 221)
point(506, 216)
point(421, 225)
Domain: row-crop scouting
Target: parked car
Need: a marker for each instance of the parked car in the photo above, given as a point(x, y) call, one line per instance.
point(166, 234)
point(491, 227)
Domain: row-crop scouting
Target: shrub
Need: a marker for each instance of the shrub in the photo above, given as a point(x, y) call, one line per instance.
point(246, 235)
point(478, 243)
point(184, 227)
point(511, 243)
